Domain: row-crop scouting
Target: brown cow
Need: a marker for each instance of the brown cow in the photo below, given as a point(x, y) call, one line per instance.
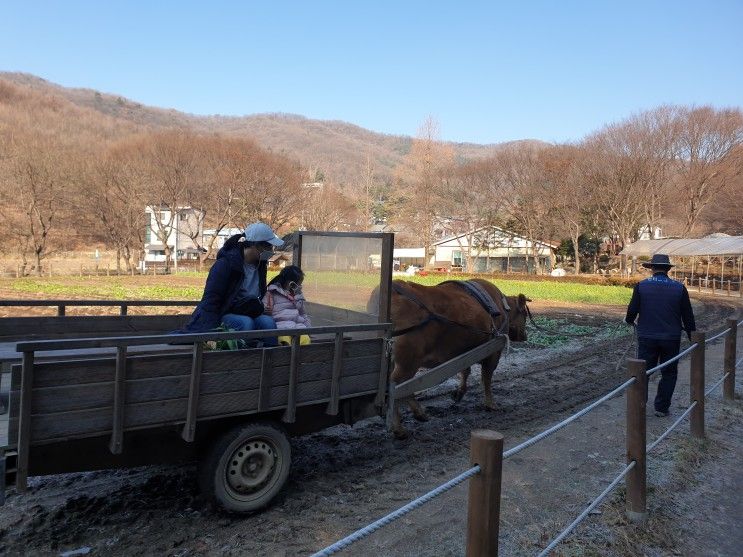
point(451, 323)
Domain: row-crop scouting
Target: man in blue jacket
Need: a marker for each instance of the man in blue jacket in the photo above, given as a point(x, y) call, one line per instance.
point(665, 310)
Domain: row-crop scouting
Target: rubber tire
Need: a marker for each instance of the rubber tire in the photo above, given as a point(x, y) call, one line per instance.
point(212, 472)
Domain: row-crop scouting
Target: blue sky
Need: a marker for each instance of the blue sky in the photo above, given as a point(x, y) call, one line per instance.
point(487, 71)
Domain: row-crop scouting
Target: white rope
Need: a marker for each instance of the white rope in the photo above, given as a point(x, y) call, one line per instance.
point(402, 511)
point(588, 509)
point(713, 387)
point(663, 435)
point(718, 335)
point(559, 426)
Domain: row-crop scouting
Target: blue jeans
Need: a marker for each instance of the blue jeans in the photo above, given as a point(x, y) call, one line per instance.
point(245, 323)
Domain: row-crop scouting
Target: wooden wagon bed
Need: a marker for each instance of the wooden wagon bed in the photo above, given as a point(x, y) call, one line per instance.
point(107, 396)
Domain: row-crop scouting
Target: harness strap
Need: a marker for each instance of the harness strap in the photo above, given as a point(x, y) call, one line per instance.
point(432, 315)
point(479, 294)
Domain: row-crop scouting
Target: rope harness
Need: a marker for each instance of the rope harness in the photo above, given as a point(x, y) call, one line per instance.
point(475, 290)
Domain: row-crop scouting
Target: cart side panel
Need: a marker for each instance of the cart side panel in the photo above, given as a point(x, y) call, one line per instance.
point(27, 328)
point(229, 385)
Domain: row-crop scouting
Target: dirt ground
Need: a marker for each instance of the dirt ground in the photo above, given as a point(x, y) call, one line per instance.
point(346, 477)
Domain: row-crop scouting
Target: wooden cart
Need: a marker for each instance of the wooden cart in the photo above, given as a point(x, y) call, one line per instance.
point(80, 404)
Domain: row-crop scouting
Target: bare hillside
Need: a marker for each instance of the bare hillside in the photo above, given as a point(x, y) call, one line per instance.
point(340, 150)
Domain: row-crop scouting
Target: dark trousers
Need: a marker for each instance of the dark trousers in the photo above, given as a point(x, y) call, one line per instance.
point(655, 352)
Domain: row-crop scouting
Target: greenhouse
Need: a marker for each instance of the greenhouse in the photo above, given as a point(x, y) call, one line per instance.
point(713, 261)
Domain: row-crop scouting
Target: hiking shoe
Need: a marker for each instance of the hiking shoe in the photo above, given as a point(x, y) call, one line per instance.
point(662, 414)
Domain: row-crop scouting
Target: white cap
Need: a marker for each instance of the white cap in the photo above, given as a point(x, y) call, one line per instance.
point(260, 232)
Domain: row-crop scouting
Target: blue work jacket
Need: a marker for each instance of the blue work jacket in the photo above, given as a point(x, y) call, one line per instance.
point(663, 306)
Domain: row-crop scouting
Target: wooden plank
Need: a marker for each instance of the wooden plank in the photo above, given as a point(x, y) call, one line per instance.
point(98, 421)
point(24, 328)
point(266, 380)
point(385, 284)
point(102, 342)
point(67, 398)
point(96, 303)
point(442, 372)
point(335, 380)
point(384, 371)
point(24, 421)
point(325, 315)
point(291, 403)
point(117, 433)
point(189, 428)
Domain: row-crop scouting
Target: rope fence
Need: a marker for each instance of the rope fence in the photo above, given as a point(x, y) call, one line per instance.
point(566, 532)
point(669, 362)
point(546, 433)
point(675, 424)
point(402, 511)
point(635, 466)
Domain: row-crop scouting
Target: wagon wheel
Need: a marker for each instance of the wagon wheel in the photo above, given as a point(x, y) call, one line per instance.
point(246, 467)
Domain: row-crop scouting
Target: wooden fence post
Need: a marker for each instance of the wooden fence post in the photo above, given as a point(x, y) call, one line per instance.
point(696, 385)
point(728, 386)
point(483, 507)
point(636, 441)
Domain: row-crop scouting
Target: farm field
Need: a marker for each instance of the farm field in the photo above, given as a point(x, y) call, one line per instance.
point(356, 287)
point(346, 477)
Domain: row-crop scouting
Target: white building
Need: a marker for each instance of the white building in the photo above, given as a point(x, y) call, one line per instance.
point(181, 231)
point(222, 236)
point(491, 249)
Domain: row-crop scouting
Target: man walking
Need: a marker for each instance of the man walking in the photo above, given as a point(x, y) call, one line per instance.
point(665, 310)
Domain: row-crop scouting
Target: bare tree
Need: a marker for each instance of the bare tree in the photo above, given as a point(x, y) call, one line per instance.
point(522, 181)
point(420, 177)
point(628, 169)
point(35, 180)
point(468, 200)
point(707, 155)
point(325, 209)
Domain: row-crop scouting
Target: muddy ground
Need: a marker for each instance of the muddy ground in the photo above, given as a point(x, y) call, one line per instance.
point(346, 477)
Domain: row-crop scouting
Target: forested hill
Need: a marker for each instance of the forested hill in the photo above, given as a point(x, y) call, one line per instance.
point(339, 150)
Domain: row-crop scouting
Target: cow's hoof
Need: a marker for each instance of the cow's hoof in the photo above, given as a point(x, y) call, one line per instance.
point(489, 408)
point(457, 395)
point(400, 434)
point(423, 417)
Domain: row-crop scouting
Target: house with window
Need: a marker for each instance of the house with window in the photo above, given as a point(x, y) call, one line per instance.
point(491, 249)
point(221, 237)
point(180, 229)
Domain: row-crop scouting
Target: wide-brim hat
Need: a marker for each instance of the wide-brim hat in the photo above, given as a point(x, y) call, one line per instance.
point(658, 260)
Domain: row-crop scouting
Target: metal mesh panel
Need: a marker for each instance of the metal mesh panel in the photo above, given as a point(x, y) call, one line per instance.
point(342, 278)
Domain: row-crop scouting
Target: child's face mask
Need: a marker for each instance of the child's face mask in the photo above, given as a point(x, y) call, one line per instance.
point(294, 287)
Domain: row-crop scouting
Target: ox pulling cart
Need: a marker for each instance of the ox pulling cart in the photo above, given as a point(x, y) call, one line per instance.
point(121, 400)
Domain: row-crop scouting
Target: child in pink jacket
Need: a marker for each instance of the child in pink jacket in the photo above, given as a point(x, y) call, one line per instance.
point(284, 302)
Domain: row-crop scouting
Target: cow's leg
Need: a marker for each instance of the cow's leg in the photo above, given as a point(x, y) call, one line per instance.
point(488, 367)
point(399, 374)
point(419, 412)
point(397, 430)
point(458, 394)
